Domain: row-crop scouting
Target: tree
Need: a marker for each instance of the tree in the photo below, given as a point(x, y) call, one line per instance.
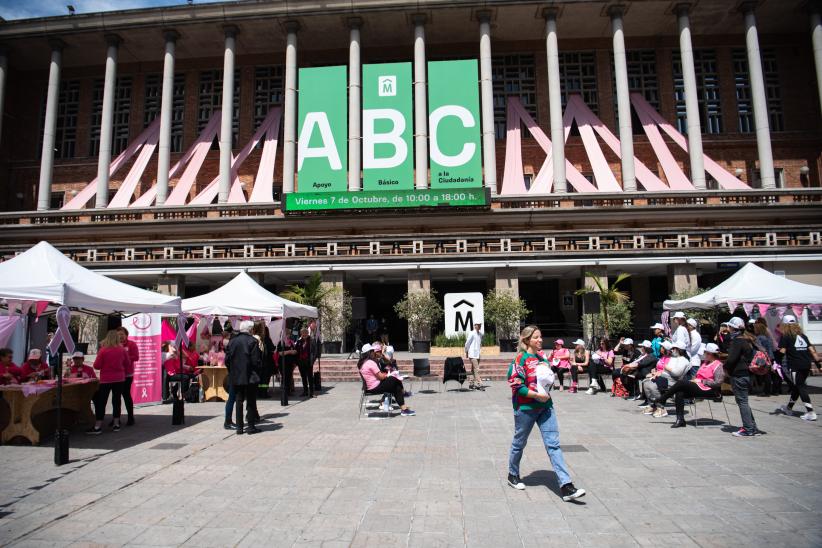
point(420, 309)
point(333, 304)
point(609, 296)
point(504, 310)
point(709, 316)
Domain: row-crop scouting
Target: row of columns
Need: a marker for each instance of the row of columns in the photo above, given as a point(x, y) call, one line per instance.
point(551, 14)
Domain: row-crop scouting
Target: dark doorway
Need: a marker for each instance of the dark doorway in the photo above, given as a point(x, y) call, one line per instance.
point(380, 300)
point(542, 299)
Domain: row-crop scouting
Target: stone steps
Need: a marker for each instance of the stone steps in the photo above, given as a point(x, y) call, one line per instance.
point(341, 370)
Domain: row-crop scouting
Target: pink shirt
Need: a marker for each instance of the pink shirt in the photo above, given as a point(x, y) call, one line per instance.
point(662, 362)
point(133, 356)
point(369, 372)
point(707, 372)
point(82, 372)
point(111, 361)
point(606, 355)
point(563, 355)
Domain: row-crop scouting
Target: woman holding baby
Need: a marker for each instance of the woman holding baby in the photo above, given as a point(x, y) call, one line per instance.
point(531, 406)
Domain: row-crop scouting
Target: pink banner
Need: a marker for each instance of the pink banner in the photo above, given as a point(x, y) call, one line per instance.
point(763, 308)
point(7, 327)
point(144, 329)
point(797, 310)
point(748, 308)
point(732, 306)
point(780, 311)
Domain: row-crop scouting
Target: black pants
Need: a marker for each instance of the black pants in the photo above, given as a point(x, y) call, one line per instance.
point(392, 385)
point(682, 390)
point(245, 392)
point(575, 372)
point(560, 373)
point(307, 376)
point(776, 383)
point(127, 397)
point(799, 386)
point(595, 371)
point(101, 399)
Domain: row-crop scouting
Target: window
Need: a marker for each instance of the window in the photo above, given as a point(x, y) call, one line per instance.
point(513, 76)
point(211, 99)
point(744, 102)
point(120, 116)
point(154, 100)
point(642, 79)
point(707, 86)
point(68, 105)
point(529, 180)
point(268, 91)
point(56, 200)
point(578, 75)
point(778, 173)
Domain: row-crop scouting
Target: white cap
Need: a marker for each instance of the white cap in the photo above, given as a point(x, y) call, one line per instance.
point(712, 348)
point(34, 353)
point(366, 348)
point(579, 342)
point(78, 355)
point(692, 322)
point(657, 326)
point(736, 322)
point(788, 318)
point(646, 344)
point(679, 314)
point(679, 344)
point(667, 345)
point(751, 320)
point(628, 340)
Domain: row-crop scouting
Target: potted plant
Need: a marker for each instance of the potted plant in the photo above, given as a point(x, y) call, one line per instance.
point(504, 310)
point(333, 306)
point(420, 309)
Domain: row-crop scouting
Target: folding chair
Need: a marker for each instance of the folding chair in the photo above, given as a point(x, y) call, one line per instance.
point(422, 371)
point(365, 392)
point(454, 370)
point(717, 399)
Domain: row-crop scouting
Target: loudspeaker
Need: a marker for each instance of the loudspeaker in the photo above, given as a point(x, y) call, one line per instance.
point(590, 303)
point(358, 308)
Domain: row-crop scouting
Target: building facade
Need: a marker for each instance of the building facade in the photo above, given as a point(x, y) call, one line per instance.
point(670, 140)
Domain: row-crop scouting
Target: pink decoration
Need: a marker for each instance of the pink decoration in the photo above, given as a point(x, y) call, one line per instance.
point(41, 306)
point(815, 309)
point(732, 306)
point(129, 184)
point(167, 333)
point(676, 178)
point(763, 308)
point(263, 185)
point(780, 311)
point(748, 308)
point(7, 327)
point(797, 310)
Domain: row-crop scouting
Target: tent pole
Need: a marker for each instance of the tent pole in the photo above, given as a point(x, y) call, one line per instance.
point(284, 384)
point(61, 437)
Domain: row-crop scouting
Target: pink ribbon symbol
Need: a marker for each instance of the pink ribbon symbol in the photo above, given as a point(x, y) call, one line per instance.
point(182, 336)
point(63, 335)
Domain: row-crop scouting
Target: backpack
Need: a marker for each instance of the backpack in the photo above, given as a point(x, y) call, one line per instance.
point(619, 390)
point(760, 363)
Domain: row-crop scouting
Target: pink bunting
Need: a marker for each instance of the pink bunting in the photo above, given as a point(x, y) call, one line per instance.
point(748, 308)
point(763, 308)
point(816, 309)
point(797, 310)
point(780, 311)
point(732, 306)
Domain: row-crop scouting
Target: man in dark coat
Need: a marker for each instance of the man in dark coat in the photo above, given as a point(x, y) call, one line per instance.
point(243, 358)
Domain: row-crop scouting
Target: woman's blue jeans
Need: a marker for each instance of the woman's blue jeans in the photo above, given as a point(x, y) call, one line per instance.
point(546, 419)
point(229, 404)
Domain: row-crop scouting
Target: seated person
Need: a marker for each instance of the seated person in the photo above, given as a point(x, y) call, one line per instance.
point(79, 370)
point(387, 362)
point(706, 384)
point(35, 369)
point(667, 372)
point(634, 372)
point(9, 372)
point(560, 359)
point(172, 367)
point(377, 381)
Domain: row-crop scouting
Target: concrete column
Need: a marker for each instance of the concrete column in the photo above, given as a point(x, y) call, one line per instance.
point(166, 107)
point(50, 126)
point(4, 67)
point(626, 134)
point(290, 113)
point(107, 120)
point(691, 100)
point(555, 101)
point(507, 279)
point(171, 284)
point(489, 151)
point(682, 277)
point(420, 105)
point(816, 37)
point(354, 106)
point(640, 295)
point(760, 104)
point(227, 114)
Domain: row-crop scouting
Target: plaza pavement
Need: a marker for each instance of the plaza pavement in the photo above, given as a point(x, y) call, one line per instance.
point(317, 476)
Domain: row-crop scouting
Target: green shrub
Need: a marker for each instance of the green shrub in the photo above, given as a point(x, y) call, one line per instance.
point(488, 339)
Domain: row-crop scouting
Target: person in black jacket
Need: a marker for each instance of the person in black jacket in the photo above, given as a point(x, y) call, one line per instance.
point(243, 359)
point(740, 354)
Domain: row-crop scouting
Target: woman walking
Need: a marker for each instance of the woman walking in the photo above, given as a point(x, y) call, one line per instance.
point(112, 361)
point(797, 366)
point(531, 407)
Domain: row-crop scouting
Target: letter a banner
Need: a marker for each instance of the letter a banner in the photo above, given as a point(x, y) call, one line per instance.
point(322, 142)
point(387, 158)
point(454, 124)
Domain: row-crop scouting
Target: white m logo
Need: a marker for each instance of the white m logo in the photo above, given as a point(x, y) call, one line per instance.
point(387, 86)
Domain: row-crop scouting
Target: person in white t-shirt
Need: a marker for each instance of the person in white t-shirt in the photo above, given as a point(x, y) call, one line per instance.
point(473, 348)
point(680, 333)
point(694, 344)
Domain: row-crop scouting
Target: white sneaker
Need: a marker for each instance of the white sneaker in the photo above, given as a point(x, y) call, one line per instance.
point(591, 391)
point(649, 411)
point(660, 412)
point(809, 416)
point(784, 410)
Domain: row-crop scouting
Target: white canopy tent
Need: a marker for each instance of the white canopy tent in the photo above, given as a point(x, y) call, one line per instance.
point(752, 284)
point(44, 274)
point(241, 296)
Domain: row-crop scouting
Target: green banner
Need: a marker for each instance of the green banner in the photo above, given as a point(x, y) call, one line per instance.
point(386, 199)
point(322, 142)
point(454, 124)
point(387, 126)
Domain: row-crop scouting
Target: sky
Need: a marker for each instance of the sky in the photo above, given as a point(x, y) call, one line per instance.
point(23, 9)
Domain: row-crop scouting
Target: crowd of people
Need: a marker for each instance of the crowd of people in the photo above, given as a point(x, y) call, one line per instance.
point(681, 367)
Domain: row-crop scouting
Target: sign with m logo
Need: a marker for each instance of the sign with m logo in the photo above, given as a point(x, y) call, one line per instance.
point(387, 86)
point(462, 311)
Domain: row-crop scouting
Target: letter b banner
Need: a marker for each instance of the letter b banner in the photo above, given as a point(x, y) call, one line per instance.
point(322, 145)
point(454, 124)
